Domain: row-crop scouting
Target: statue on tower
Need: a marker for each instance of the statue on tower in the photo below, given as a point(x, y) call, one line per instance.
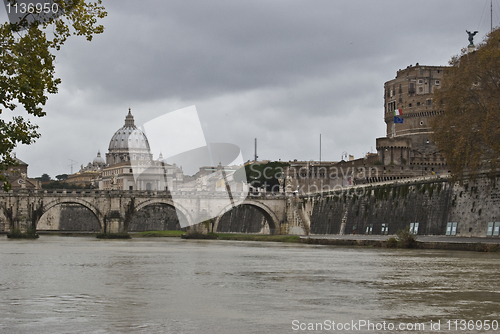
point(471, 36)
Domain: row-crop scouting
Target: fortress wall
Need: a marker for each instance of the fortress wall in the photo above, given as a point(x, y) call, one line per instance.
point(474, 205)
point(431, 203)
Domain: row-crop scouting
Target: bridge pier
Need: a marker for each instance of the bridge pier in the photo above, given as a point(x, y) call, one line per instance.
point(202, 228)
point(114, 223)
point(20, 223)
point(119, 214)
point(297, 220)
point(19, 213)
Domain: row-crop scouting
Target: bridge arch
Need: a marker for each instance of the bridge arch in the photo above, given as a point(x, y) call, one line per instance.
point(62, 201)
point(169, 202)
point(271, 217)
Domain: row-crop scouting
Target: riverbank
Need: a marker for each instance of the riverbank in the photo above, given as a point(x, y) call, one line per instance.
point(157, 234)
point(441, 245)
point(437, 242)
point(259, 237)
point(423, 242)
point(222, 236)
point(460, 244)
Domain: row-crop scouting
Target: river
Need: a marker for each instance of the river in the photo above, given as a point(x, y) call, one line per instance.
point(168, 285)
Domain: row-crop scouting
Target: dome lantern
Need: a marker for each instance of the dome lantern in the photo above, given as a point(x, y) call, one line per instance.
point(129, 120)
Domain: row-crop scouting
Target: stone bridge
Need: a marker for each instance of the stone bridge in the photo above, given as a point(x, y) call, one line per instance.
point(428, 205)
point(114, 209)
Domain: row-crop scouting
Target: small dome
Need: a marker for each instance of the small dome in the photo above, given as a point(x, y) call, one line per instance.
point(161, 158)
point(98, 160)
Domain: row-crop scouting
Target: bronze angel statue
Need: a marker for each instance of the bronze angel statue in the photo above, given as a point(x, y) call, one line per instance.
point(471, 36)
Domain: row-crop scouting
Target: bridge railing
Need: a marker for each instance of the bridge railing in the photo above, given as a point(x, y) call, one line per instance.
point(363, 187)
point(142, 193)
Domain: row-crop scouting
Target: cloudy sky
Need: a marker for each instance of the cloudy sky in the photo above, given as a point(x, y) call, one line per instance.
point(280, 71)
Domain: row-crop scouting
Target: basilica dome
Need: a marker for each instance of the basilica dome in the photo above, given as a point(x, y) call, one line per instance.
point(128, 143)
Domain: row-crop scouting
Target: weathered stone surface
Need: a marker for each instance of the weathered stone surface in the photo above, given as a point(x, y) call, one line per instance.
point(69, 217)
point(243, 219)
point(431, 203)
point(155, 217)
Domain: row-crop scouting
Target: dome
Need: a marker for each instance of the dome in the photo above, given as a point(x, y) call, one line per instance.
point(128, 143)
point(129, 136)
point(161, 158)
point(98, 160)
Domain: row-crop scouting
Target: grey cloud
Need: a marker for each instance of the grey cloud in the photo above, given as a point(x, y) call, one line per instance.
point(282, 71)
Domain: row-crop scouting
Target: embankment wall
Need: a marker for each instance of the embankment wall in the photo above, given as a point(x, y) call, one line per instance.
point(384, 209)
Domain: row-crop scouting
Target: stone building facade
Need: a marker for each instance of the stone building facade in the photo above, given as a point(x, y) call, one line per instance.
point(317, 176)
point(87, 175)
point(18, 176)
point(408, 109)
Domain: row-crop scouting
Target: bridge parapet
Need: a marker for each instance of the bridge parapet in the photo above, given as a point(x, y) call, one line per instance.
point(362, 187)
point(142, 193)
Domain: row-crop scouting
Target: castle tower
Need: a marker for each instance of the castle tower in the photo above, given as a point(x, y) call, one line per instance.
point(411, 93)
point(408, 108)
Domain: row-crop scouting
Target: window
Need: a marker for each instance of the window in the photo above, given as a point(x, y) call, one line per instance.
point(420, 89)
point(451, 229)
point(130, 187)
point(411, 89)
point(493, 229)
point(420, 81)
point(409, 105)
point(385, 229)
point(429, 102)
point(418, 104)
point(437, 83)
point(391, 106)
point(421, 123)
point(489, 232)
point(414, 228)
point(369, 229)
